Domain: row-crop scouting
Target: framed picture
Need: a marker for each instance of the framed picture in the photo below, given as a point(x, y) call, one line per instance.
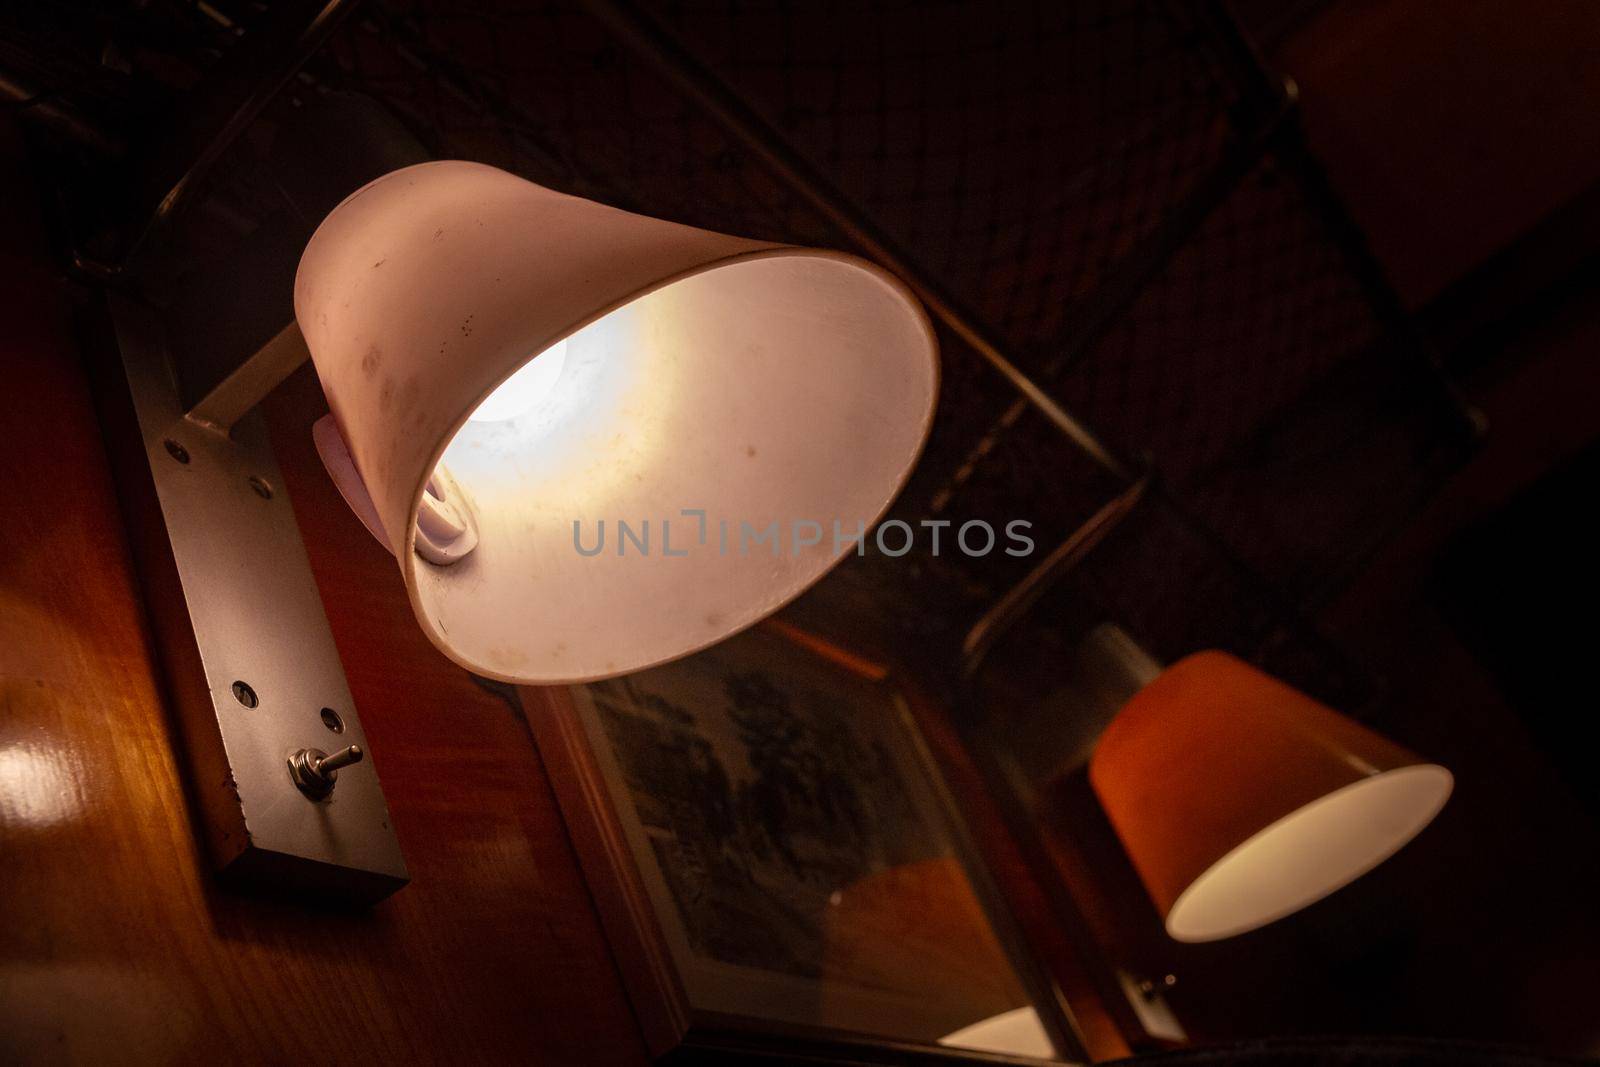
point(779, 868)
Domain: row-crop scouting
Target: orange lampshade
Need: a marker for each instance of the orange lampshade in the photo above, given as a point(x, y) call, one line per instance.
point(1240, 799)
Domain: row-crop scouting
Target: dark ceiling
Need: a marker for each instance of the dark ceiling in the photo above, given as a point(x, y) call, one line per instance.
point(1116, 192)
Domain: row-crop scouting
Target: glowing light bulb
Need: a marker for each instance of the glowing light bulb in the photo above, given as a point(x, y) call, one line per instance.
point(518, 394)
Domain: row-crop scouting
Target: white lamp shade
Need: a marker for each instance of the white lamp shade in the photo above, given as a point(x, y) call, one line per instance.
point(675, 371)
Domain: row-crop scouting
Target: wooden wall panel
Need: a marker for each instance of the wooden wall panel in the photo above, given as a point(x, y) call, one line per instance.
point(114, 944)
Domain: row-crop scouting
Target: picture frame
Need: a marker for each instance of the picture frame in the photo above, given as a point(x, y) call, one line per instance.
point(780, 868)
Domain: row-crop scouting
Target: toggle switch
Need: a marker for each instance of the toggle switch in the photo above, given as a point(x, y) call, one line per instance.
point(316, 773)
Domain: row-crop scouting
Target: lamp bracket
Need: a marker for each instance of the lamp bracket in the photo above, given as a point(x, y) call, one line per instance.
point(249, 657)
point(244, 386)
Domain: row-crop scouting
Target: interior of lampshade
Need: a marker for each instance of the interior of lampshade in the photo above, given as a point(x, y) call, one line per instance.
point(1309, 853)
point(778, 388)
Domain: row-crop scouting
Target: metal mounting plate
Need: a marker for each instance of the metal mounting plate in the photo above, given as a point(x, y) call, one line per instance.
point(248, 653)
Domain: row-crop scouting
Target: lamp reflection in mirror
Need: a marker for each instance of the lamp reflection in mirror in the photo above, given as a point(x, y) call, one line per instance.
point(1017, 1032)
point(1241, 800)
point(507, 366)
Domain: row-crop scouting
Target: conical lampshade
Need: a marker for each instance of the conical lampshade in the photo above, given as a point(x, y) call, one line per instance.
point(1240, 799)
point(516, 375)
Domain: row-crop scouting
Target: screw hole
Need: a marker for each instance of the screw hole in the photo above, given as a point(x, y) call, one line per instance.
point(245, 695)
point(262, 487)
point(176, 451)
point(332, 721)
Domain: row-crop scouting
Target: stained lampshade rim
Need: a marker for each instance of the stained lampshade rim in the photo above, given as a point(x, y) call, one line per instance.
point(1419, 821)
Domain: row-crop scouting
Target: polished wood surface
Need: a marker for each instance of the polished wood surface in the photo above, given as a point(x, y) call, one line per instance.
point(655, 988)
point(115, 945)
